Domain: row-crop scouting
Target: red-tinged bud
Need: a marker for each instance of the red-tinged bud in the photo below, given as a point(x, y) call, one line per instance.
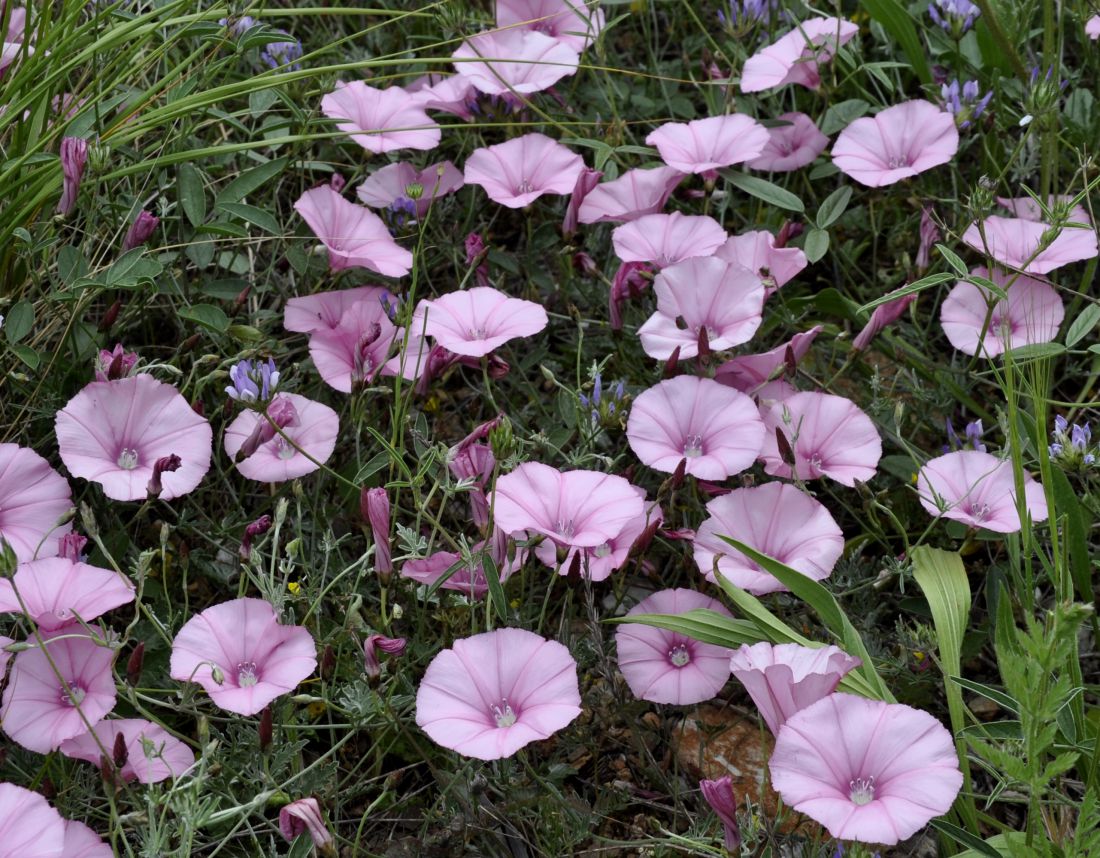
point(374, 505)
point(788, 232)
point(645, 538)
point(790, 361)
point(163, 465)
point(256, 528)
point(135, 663)
point(110, 317)
point(704, 344)
point(786, 452)
point(328, 662)
point(190, 343)
point(140, 231)
point(242, 297)
point(266, 728)
point(672, 363)
point(119, 753)
point(371, 665)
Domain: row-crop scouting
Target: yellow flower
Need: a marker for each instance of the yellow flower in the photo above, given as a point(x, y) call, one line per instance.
point(294, 587)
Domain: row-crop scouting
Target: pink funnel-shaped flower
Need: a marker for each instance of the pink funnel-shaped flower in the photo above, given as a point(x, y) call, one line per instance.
point(383, 188)
point(522, 169)
point(785, 679)
point(29, 826)
point(795, 57)
point(790, 147)
point(634, 194)
point(829, 435)
point(897, 143)
point(323, 311)
point(304, 816)
point(1092, 27)
point(757, 252)
point(468, 580)
point(256, 657)
point(883, 316)
point(312, 435)
point(710, 143)
point(776, 519)
point(702, 294)
point(977, 489)
point(380, 120)
point(1015, 241)
point(574, 508)
point(665, 239)
point(39, 712)
point(575, 23)
point(1032, 314)
point(751, 373)
point(476, 321)
point(354, 235)
point(33, 499)
point(12, 43)
point(867, 770)
point(494, 693)
point(113, 433)
point(152, 753)
point(716, 429)
point(667, 667)
point(56, 591)
point(514, 63)
point(452, 94)
point(82, 842)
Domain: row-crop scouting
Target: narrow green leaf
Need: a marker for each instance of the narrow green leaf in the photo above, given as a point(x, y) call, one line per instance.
point(965, 838)
point(255, 216)
point(1070, 509)
point(833, 206)
point(909, 289)
point(764, 190)
point(897, 21)
point(496, 591)
point(953, 259)
point(250, 180)
point(701, 625)
point(192, 194)
point(988, 692)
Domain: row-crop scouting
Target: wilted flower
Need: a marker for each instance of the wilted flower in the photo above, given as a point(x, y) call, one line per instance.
point(966, 103)
point(954, 17)
point(304, 816)
point(253, 529)
point(391, 646)
point(152, 754)
point(74, 157)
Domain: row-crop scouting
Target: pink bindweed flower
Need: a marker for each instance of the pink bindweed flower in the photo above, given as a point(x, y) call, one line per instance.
point(634, 194)
point(354, 236)
point(575, 23)
point(55, 591)
point(719, 795)
point(114, 433)
point(715, 428)
point(312, 432)
point(469, 579)
point(452, 94)
point(776, 519)
point(758, 374)
point(514, 63)
point(140, 231)
point(304, 817)
point(976, 320)
point(33, 500)
point(883, 316)
point(667, 667)
point(587, 180)
point(476, 321)
point(1018, 242)
point(323, 311)
point(897, 143)
point(493, 693)
point(474, 461)
point(39, 712)
point(116, 363)
point(579, 508)
point(795, 57)
point(1092, 27)
point(866, 770)
point(74, 157)
point(242, 655)
point(152, 753)
point(665, 239)
point(374, 506)
point(704, 294)
point(29, 826)
point(785, 679)
point(82, 842)
point(829, 436)
point(14, 40)
point(519, 171)
point(790, 147)
point(381, 120)
point(757, 251)
point(706, 144)
point(979, 490)
point(396, 185)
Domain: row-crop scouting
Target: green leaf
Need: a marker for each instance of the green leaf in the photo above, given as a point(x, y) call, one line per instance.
point(909, 289)
point(764, 190)
point(192, 194)
point(965, 838)
point(1035, 351)
point(701, 625)
point(28, 355)
point(257, 217)
point(816, 244)
point(1083, 325)
point(899, 24)
point(207, 315)
point(833, 206)
point(840, 116)
point(496, 591)
point(250, 180)
point(989, 693)
point(71, 264)
point(953, 259)
point(1075, 527)
point(19, 321)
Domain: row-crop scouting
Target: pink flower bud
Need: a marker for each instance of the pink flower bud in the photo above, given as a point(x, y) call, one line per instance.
point(587, 179)
point(374, 505)
point(720, 797)
point(140, 230)
point(390, 646)
point(257, 528)
point(74, 157)
point(71, 546)
point(304, 815)
point(113, 364)
point(163, 465)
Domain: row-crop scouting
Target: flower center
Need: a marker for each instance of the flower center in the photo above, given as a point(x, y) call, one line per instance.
point(862, 790)
point(525, 187)
point(693, 446)
point(816, 462)
point(898, 161)
point(285, 450)
point(246, 674)
point(73, 696)
point(679, 655)
point(503, 714)
point(565, 528)
point(477, 333)
point(601, 551)
point(978, 511)
point(128, 459)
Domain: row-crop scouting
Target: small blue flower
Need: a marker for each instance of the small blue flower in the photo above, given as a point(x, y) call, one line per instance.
point(283, 55)
point(954, 17)
point(253, 383)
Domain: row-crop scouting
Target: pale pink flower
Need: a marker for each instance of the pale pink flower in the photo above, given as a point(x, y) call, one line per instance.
point(82, 842)
point(707, 144)
point(384, 187)
point(776, 519)
point(866, 770)
point(381, 120)
point(114, 432)
point(469, 580)
point(715, 428)
point(829, 435)
point(790, 147)
point(575, 23)
point(56, 591)
point(13, 42)
point(979, 490)
point(29, 826)
point(493, 693)
point(476, 321)
point(1015, 241)
point(152, 753)
point(39, 712)
point(354, 236)
point(785, 679)
point(707, 294)
point(5, 656)
point(755, 374)
point(794, 58)
point(323, 311)
point(667, 667)
point(1032, 314)
point(665, 239)
point(312, 435)
point(719, 795)
point(33, 499)
point(1092, 27)
point(579, 508)
point(519, 171)
point(634, 194)
point(757, 251)
point(514, 62)
point(883, 315)
point(257, 659)
point(897, 143)
point(452, 94)
point(304, 816)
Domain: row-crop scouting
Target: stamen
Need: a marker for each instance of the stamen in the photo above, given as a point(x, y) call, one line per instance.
point(246, 674)
point(861, 790)
point(503, 714)
point(679, 655)
point(128, 459)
